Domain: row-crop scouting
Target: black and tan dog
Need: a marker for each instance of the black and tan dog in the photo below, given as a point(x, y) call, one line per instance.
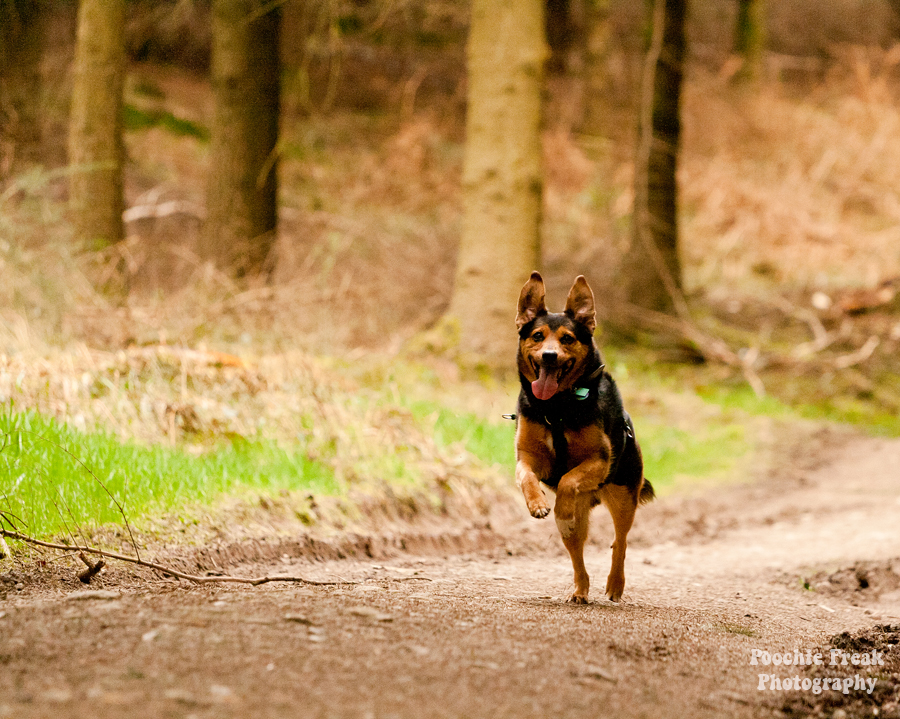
point(572, 432)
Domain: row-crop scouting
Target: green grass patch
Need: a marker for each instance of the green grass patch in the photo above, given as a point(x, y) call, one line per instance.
point(673, 455)
point(51, 475)
point(489, 441)
point(137, 119)
point(866, 416)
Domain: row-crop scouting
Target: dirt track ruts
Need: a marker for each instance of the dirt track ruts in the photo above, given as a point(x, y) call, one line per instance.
point(485, 634)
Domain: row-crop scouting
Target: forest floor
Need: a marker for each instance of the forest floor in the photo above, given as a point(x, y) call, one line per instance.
point(781, 564)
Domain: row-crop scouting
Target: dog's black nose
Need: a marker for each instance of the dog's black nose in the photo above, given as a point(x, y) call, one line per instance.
point(549, 357)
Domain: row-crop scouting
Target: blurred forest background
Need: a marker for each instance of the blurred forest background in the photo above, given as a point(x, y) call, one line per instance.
point(259, 269)
point(346, 176)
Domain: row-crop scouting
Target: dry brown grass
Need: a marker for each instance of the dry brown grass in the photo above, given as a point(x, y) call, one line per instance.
point(196, 400)
point(794, 192)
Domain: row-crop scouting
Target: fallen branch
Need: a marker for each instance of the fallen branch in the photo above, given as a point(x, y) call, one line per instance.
point(822, 338)
point(93, 568)
point(861, 355)
point(710, 348)
point(164, 209)
point(168, 571)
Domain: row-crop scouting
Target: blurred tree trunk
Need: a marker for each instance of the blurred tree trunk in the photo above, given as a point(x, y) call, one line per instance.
point(595, 39)
point(502, 175)
point(242, 189)
point(651, 268)
point(21, 36)
point(565, 91)
point(95, 123)
point(750, 38)
point(562, 31)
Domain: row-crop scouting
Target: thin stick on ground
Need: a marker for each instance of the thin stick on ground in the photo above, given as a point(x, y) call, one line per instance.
point(197, 579)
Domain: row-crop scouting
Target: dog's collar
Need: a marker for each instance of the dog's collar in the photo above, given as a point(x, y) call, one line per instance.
point(597, 372)
point(585, 392)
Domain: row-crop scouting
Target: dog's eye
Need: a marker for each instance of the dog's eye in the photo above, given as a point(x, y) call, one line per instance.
point(538, 336)
point(566, 339)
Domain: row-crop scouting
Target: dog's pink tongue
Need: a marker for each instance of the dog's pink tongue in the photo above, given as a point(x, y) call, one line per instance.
point(545, 386)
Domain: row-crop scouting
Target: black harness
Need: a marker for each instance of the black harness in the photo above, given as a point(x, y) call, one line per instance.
point(556, 424)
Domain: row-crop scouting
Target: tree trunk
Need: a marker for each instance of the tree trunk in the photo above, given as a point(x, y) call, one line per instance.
point(242, 189)
point(750, 38)
point(502, 175)
point(95, 124)
point(21, 36)
point(561, 34)
point(651, 269)
point(595, 48)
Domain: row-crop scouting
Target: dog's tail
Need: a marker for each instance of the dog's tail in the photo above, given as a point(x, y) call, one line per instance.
point(647, 493)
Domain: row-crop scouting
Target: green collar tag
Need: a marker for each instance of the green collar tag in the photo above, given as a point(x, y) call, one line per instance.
point(582, 392)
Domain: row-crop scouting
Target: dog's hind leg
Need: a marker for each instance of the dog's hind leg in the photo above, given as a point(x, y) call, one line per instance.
point(574, 534)
point(621, 503)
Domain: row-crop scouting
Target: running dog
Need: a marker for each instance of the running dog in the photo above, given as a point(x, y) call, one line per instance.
point(572, 432)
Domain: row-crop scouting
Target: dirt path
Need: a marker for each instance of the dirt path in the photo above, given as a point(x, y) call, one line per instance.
point(487, 635)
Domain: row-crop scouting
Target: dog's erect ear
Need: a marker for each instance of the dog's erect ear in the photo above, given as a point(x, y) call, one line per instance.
point(580, 304)
point(531, 301)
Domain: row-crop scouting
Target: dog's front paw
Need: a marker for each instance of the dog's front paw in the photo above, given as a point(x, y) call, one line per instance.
point(577, 598)
point(539, 510)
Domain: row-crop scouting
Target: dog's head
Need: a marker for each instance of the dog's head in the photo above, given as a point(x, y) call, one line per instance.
point(555, 349)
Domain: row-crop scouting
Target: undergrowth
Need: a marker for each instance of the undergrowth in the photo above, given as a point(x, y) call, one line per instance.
point(56, 480)
point(377, 428)
point(786, 194)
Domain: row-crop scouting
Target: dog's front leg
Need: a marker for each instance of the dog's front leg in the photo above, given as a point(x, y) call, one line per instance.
point(533, 461)
point(583, 479)
point(528, 482)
